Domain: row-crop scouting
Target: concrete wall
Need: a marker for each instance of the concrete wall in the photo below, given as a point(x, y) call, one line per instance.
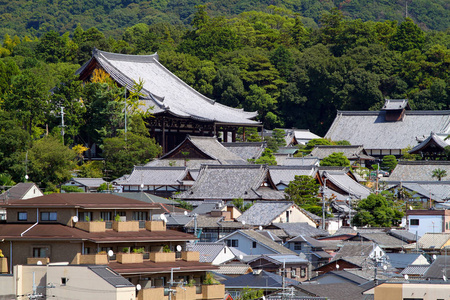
point(245, 245)
point(7, 290)
point(84, 284)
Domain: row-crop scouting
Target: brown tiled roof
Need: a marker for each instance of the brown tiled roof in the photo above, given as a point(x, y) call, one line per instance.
point(62, 232)
point(82, 200)
point(149, 267)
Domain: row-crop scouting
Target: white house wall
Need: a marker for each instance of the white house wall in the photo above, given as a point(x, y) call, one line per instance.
point(295, 216)
point(427, 224)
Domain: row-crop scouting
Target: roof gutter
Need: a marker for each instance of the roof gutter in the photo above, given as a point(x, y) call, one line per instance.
point(37, 222)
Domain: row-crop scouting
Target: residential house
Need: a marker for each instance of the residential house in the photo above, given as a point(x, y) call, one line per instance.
point(214, 253)
point(400, 261)
point(421, 221)
point(292, 230)
point(424, 194)
point(265, 213)
point(415, 271)
point(287, 265)
point(161, 181)
point(388, 243)
point(426, 290)
point(250, 242)
point(341, 276)
point(335, 291)
point(22, 190)
point(312, 248)
point(176, 108)
point(234, 269)
point(431, 243)
point(299, 136)
point(388, 131)
point(229, 182)
point(212, 227)
point(88, 185)
point(79, 229)
point(439, 267)
point(283, 175)
point(341, 186)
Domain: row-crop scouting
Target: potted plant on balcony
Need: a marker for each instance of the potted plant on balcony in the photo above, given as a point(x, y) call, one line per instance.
point(165, 256)
point(211, 288)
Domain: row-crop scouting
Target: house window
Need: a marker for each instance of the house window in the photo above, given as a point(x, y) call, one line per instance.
point(293, 273)
point(40, 252)
point(106, 216)
point(302, 272)
point(140, 216)
point(287, 216)
point(48, 216)
point(414, 222)
point(254, 245)
point(64, 280)
point(232, 243)
point(22, 216)
point(85, 216)
point(297, 246)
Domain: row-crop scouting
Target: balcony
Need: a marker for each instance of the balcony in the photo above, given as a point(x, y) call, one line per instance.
point(91, 226)
point(207, 292)
point(125, 226)
point(190, 256)
point(35, 260)
point(93, 259)
point(129, 258)
point(155, 225)
point(158, 257)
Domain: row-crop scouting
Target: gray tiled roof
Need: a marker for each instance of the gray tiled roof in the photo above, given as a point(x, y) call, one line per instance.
point(110, 276)
point(303, 135)
point(351, 152)
point(433, 240)
point(191, 164)
point(18, 191)
point(355, 249)
point(345, 275)
point(205, 221)
point(395, 104)
point(403, 235)
point(156, 176)
point(354, 127)
point(246, 150)
point(434, 139)
point(286, 174)
point(347, 184)
point(311, 241)
point(418, 270)
point(164, 91)
point(283, 258)
point(418, 170)
point(146, 197)
point(264, 212)
point(296, 229)
point(261, 239)
point(207, 206)
point(228, 182)
point(264, 280)
point(89, 182)
point(439, 267)
point(283, 160)
point(208, 251)
point(234, 269)
point(334, 291)
point(382, 239)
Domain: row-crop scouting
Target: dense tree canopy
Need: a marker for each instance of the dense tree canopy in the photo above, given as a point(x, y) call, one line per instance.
point(377, 211)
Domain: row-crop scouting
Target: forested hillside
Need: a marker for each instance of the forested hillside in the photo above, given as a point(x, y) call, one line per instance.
point(35, 17)
point(293, 74)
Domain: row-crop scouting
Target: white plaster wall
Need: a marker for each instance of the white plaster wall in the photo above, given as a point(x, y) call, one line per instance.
point(295, 216)
point(224, 255)
point(245, 246)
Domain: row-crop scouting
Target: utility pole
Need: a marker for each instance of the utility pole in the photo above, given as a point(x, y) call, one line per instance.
point(125, 94)
point(323, 203)
point(62, 123)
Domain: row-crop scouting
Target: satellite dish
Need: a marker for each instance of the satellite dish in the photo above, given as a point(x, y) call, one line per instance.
point(163, 217)
point(138, 287)
point(337, 266)
point(142, 185)
point(26, 177)
point(39, 263)
point(179, 248)
point(243, 222)
point(434, 256)
point(355, 228)
point(410, 207)
point(260, 227)
point(241, 257)
point(385, 267)
point(406, 276)
point(444, 277)
point(185, 213)
point(110, 253)
point(75, 219)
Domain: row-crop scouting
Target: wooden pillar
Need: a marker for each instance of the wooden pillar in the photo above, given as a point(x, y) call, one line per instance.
point(243, 134)
point(164, 147)
point(225, 136)
point(233, 136)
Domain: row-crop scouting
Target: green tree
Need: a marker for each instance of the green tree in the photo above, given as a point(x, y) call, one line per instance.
point(50, 161)
point(267, 157)
point(337, 159)
point(239, 204)
point(408, 36)
point(377, 211)
point(121, 156)
point(91, 169)
point(439, 174)
point(251, 294)
point(71, 189)
point(389, 163)
point(303, 190)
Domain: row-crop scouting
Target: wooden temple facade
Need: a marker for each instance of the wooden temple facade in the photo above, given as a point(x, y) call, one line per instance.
point(176, 108)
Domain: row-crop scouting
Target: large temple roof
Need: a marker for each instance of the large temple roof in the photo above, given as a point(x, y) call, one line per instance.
point(164, 92)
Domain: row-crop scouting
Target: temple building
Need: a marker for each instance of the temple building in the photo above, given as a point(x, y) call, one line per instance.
point(388, 131)
point(177, 108)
